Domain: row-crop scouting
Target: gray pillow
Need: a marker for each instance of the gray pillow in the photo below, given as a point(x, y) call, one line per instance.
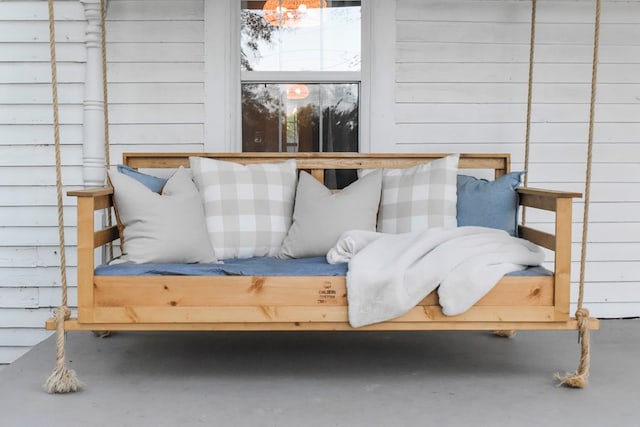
point(320, 216)
point(167, 227)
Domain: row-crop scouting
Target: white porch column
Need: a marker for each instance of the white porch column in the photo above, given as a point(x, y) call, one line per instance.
point(93, 161)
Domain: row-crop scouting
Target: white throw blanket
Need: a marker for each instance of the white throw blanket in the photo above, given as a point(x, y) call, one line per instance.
point(391, 273)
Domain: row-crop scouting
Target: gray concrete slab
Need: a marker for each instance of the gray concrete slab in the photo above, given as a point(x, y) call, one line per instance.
point(329, 379)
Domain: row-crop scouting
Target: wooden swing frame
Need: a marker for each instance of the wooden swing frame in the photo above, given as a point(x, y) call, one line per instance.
point(266, 303)
point(302, 302)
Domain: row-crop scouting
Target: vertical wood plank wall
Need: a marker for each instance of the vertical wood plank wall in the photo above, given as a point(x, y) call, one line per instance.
point(461, 69)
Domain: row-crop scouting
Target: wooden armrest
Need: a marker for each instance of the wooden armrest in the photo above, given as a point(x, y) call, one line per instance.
point(539, 192)
point(548, 200)
point(91, 192)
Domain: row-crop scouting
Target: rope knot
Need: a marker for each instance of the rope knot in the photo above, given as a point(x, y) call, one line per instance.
point(62, 313)
point(582, 314)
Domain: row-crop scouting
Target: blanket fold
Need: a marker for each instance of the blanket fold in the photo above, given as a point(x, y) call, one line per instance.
point(388, 274)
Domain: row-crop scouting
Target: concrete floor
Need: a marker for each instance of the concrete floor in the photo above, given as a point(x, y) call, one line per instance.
point(329, 379)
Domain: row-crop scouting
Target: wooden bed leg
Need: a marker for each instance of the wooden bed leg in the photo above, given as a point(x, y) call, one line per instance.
point(506, 333)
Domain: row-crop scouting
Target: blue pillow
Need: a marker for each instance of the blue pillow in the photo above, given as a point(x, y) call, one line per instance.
point(491, 204)
point(152, 182)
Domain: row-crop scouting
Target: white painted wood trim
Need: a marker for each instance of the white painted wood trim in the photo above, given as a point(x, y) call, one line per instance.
point(366, 47)
point(222, 76)
point(301, 76)
point(379, 82)
point(93, 158)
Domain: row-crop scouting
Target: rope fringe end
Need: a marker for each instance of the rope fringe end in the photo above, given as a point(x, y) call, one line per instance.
point(579, 378)
point(62, 380)
point(572, 380)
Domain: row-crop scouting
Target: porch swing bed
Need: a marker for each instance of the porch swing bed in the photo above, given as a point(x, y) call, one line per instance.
point(225, 299)
point(288, 300)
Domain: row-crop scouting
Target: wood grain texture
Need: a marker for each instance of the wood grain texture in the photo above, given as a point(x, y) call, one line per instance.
point(172, 300)
point(198, 291)
point(74, 325)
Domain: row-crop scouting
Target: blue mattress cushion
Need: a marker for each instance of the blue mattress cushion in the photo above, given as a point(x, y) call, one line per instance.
point(257, 266)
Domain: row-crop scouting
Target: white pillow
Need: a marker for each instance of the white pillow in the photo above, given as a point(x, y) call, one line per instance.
point(418, 198)
point(320, 216)
point(248, 208)
point(167, 227)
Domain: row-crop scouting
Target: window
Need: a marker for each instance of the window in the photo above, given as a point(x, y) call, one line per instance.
point(228, 74)
point(300, 72)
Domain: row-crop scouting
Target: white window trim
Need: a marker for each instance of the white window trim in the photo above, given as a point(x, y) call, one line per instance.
point(301, 76)
point(222, 124)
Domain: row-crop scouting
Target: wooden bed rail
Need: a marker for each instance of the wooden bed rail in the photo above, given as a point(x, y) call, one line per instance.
point(89, 201)
point(559, 202)
point(500, 163)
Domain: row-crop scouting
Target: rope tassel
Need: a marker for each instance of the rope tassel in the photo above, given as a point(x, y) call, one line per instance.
point(579, 378)
point(62, 379)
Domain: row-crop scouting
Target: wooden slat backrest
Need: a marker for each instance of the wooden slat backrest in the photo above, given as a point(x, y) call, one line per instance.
point(499, 163)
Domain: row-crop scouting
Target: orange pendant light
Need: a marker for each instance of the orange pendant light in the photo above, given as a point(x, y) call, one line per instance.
point(297, 91)
point(288, 12)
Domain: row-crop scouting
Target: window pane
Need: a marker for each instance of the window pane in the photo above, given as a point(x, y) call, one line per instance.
point(300, 117)
point(294, 35)
point(261, 118)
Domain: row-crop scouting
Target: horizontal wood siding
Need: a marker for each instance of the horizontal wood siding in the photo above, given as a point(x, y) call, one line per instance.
point(460, 72)
point(156, 75)
point(29, 256)
point(156, 94)
point(461, 80)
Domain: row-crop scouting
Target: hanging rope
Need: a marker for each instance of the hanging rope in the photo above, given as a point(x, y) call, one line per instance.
point(579, 378)
point(509, 333)
point(62, 379)
point(527, 137)
point(107, 151)
point(105, 92)
point(105, 96)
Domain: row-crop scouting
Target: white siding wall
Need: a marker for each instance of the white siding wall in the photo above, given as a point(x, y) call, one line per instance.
point(461, 69)
point(156, 74)
point(29, 279)
point(461, 72)
point(155, 52)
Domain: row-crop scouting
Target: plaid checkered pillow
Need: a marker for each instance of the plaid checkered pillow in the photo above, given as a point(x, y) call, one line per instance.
point(248, 208)
point(420, 197)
